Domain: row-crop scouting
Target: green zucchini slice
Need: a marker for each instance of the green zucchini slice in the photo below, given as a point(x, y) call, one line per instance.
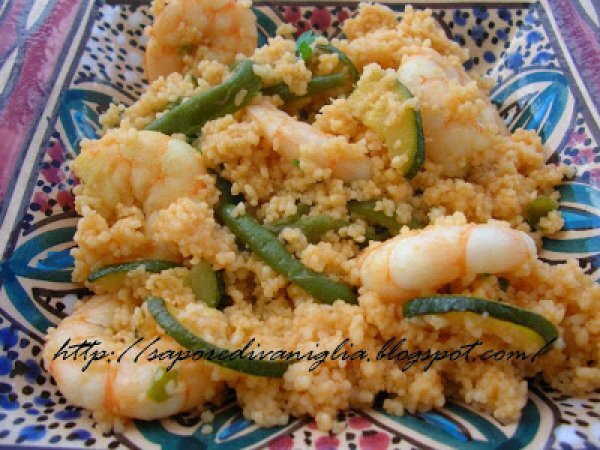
point(112, 277)
point(220, 356)
point(405, 137)
point(525, 328)
point(206, 284)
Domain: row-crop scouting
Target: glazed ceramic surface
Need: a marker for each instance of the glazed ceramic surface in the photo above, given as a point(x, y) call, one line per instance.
point(63, 61)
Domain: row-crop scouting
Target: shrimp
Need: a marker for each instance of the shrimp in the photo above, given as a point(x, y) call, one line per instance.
point(119, 386)
point(410, 265)
point(293, 139)
point(188, 31)
point(453, 138)
point(142, 168)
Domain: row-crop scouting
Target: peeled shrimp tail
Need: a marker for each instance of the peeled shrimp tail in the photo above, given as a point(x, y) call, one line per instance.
point(407, 266)
point(120, 387)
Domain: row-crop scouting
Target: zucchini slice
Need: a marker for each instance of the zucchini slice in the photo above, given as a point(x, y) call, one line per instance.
point(206, 284)
point(220, 356)
point(402, 138)
point(517, 326)
point(112, 277)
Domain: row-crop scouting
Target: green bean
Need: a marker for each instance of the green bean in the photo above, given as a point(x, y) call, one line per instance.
point(366, 210)
point(218, 101)
point(303, 44)
point(313, 227)
point(377, 233)
point(381, 226)
point(302, 209)
point(266, 245)
point(217, 355)
point(224, 186)
point(349, 66)
point(320, 83)
point(157, 391)
point(416, 224)
point(538, 208)
point(174, 104)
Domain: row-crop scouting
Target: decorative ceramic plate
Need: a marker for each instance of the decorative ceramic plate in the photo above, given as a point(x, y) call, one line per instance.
point(63, 61)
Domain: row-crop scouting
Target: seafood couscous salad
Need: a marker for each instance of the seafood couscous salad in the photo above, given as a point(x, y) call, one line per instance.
point(314, 224)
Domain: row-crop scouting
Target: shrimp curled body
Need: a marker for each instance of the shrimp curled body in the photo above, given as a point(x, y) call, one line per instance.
point(408, 266)
point(293, 139)
point(142, 168)
point(188, 31)
point(119, 386)
point(459, 121)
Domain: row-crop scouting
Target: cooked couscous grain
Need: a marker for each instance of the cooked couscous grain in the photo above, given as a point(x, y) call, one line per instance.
point(157, 209)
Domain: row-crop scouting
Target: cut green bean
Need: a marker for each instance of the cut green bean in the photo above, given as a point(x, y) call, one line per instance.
point(302, 209)
point(303, 44)
point(381, 226)
point(224, 186)
point(313, 227)
point(157, 391)
point(348, 65)
point(266, 245)
point(216, 355)
point(538, 208)
point(366, 210)
point(377, 233)
point(320, 83)
point(218, 101)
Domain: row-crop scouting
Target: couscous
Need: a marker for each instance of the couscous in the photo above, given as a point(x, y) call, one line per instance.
point(307, 195)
